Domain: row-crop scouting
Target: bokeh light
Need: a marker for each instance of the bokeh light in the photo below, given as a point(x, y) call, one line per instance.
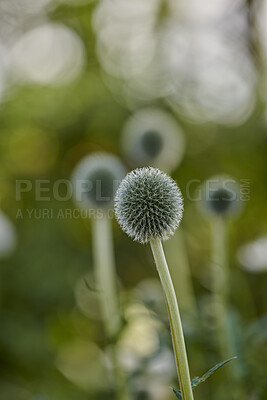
point(15, 15)
point(31, 151)
point(84, 364)
point(50, 54)
point(8, 236)
point(189, 57)
point(253, 256)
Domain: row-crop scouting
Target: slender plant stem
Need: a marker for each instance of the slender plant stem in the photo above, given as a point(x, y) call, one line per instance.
point(175, 320)
point(220, 281)
point(181, 274)
point(105, 275)
point(220, 287)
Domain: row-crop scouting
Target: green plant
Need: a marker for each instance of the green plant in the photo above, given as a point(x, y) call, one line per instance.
point(152, 137)
point(149, 207)
point(220, 203)
point(95, 180)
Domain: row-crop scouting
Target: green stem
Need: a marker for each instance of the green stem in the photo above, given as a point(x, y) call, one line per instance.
point(220, 281)
point(180, 273)
point(175, 320)
point(220, 288)
point(105, 275)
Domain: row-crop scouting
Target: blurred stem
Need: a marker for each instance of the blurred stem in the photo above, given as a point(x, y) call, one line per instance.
point(220, 283)
point(180, 272)
point(220, 288)
point(105, 275)
point(175, 320)
point(253, 40)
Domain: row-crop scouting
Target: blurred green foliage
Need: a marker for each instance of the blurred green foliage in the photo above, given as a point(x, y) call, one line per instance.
point(44, 131)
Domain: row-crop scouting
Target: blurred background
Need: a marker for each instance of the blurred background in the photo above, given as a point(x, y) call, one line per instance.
point(73, 76)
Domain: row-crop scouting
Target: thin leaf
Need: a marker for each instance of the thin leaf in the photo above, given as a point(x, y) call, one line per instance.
point(177, 393)
point(197, 381)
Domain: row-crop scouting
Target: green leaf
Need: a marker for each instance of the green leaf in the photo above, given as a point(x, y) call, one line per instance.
point(197, 381)
point(177, 393)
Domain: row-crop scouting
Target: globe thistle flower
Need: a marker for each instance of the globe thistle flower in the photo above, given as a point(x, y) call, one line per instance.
point(220, 196)
point(95, 180)
point(152, 137)
point(148, 205)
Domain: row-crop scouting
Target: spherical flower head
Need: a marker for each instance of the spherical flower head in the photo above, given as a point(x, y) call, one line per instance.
point(96, 179)
point(152, 137)
point(148, 205)
point(220, 196)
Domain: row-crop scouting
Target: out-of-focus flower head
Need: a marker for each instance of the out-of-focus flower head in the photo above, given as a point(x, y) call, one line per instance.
point(152, 137)
point(179, 51)
point(220, 195)
point(95, 180)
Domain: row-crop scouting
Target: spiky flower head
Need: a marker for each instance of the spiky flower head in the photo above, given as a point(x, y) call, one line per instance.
point(152, 137)
point(96, 179)
point(220, 196)
point(148, 205)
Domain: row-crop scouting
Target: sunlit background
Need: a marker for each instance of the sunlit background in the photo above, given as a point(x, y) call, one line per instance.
point(81, 76)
